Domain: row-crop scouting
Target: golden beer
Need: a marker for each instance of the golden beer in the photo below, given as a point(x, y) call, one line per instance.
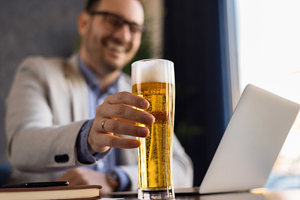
point(156, 150)
point(154, 80)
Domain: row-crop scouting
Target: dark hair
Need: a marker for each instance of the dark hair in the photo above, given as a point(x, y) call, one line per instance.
point(90, 4)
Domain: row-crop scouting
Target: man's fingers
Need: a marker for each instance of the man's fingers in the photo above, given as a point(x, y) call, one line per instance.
point(118, 111)
point(116, 142)
point(123, 128)
point(101, 136)
point(116, 115)
point(128, 99)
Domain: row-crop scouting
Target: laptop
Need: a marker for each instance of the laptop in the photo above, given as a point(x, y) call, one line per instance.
point(250, 145)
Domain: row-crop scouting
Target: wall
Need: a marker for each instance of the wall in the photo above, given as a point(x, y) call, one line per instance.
point(32, 27)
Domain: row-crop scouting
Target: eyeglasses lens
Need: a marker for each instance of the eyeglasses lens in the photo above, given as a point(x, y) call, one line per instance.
point(114, 23)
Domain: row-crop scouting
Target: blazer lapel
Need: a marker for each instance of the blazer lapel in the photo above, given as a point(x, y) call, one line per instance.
point(78, 89)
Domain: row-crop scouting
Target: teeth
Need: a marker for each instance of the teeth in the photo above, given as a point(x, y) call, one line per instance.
point(115, 47)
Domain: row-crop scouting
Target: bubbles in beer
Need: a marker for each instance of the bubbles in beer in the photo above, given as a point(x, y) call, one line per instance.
point(155, 150)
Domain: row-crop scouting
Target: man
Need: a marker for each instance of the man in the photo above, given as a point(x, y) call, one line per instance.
point(62, 114)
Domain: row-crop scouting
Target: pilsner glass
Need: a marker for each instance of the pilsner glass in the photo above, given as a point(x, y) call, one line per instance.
point(154, 80)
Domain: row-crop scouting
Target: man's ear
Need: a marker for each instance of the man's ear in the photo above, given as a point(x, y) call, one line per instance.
point(83, 22)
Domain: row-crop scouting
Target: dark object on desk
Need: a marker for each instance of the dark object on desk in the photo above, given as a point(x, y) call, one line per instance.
point(37, 184)
point(5, 168)
point(59, 192)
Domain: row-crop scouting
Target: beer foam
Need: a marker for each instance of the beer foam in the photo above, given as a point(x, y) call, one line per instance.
point(152, 70)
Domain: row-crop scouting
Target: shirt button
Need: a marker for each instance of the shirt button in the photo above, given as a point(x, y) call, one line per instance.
point(100, 164)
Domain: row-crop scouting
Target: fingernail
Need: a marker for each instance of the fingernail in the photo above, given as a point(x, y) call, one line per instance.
point(149, 119)
point(136, 143)
point(144, 104)
point(143, 132)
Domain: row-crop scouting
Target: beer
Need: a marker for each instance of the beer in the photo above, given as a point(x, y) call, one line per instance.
point(156, 150)
point(154, 80)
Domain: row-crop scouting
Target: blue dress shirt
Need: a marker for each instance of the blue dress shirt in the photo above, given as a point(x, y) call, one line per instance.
point(108, 160)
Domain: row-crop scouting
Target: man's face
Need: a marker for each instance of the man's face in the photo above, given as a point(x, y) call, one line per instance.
point(111, 50)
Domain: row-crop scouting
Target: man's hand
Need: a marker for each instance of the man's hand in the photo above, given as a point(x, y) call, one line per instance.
point(84, 176)
point(116, 116)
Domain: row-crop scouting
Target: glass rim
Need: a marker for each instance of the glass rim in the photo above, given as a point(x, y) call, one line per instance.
point(152, 59)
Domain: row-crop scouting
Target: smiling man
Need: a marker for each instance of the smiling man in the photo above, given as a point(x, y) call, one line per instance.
point(72, 119)
point(111, 36)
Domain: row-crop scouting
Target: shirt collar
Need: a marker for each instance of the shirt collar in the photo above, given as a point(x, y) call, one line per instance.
point(94, 82)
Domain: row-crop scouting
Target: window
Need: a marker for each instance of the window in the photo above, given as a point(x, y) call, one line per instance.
point(269, 56)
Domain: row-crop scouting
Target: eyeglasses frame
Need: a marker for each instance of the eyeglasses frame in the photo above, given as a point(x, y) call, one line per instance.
point(141, 28)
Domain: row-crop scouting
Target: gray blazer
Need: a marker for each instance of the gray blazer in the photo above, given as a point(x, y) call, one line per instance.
point(46, 107)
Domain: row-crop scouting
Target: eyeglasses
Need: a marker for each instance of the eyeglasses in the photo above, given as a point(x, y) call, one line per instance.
point(113, 23)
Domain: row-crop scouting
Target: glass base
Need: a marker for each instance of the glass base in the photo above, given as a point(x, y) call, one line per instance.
point(158, 193)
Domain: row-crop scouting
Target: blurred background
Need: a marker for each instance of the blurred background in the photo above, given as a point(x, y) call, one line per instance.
point(217, 46)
